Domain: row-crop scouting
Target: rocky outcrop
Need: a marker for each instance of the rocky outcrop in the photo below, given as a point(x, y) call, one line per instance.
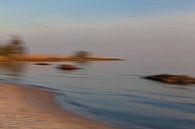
point(67, 67)
point(172, 79)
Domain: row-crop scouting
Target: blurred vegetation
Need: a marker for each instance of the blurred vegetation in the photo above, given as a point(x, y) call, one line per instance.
point(82, 54)
point(14, 48)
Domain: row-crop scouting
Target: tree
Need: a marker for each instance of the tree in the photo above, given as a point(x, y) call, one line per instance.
point(82, 54)
point(14, 47)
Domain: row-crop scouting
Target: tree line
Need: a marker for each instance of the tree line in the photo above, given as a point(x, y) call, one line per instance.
point(13, 47)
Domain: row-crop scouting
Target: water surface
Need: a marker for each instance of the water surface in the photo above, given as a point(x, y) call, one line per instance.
point(113, 92)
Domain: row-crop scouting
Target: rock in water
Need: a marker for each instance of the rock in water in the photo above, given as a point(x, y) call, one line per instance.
point(172, 79)
point(42, 64)
point(67, 67)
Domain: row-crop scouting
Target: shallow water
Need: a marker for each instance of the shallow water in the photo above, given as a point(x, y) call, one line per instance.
point(113, 92)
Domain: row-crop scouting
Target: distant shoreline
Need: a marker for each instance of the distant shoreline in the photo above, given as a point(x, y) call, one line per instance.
point(50, 58)
point(32, 107)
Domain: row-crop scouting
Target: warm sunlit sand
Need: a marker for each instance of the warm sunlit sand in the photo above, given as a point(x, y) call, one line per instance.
point(25, 107)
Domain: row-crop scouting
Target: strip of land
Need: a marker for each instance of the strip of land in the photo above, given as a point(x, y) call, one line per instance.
point(53, 58)
point(25, 107)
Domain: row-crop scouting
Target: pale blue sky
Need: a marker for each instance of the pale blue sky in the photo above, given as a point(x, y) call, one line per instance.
point(22, 11)
point(122, 25)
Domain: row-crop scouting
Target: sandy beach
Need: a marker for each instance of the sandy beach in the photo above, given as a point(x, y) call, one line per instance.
point(25, 107)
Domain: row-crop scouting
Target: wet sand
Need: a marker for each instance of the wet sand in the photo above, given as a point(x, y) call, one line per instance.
point(25, 107)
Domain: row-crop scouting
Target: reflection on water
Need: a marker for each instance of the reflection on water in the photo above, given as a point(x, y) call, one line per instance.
point(12, 69)
point(83, 63)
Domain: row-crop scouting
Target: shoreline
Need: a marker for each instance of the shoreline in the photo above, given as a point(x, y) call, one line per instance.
point(53, 58)
point(24, 106)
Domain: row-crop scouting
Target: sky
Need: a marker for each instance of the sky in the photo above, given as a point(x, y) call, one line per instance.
point(104, 27)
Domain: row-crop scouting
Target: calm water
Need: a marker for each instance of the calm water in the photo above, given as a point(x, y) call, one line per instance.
point(113, 92)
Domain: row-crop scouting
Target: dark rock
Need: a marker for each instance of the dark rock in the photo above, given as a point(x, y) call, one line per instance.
point(67, 67)
point(42, 64)
point(172, 79)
